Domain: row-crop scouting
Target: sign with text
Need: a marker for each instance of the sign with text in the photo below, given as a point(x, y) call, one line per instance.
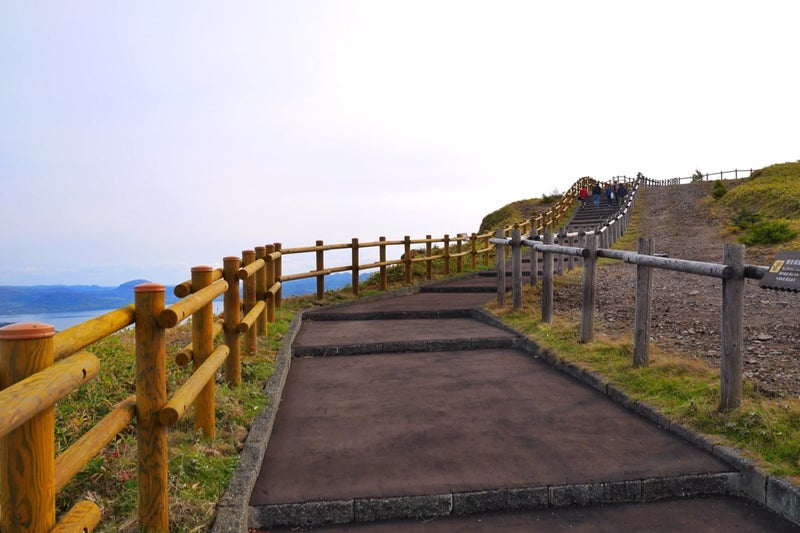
point(784, 274)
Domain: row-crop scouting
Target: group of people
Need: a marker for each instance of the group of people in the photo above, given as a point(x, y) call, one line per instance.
point(615, 194)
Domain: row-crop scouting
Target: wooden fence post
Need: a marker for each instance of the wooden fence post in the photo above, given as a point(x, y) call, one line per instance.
point(534, 260)
point(500, 268)
point(261, 291)
point(487, 254)
point(382, 259)
point(27, 453)
point(559, 258)
point(644, 288)
point(202, 346)
point(232, 316)
point(151, 396)
point(731, 364)
point(407, 258)
point(320, 267)
point(355, 264)
point(516, 269)
point(249, 300)
point(589, 289)
point(447, 255)
point(428, 253)
point(547, 280)
point(459, 250)
point(270, 249)
point(473, 248)
point(278, 274)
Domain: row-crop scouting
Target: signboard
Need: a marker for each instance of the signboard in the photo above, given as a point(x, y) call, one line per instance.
point(784, 274)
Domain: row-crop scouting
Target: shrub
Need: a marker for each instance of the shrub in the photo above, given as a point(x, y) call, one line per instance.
point(719, 190)
point(768, 232)
point(552, 197)
point(746, 218)
point(698, 175)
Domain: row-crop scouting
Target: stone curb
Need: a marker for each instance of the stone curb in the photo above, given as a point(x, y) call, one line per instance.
point(443, 345)
point(387, 315)
point(233, 507)
point(320, 513)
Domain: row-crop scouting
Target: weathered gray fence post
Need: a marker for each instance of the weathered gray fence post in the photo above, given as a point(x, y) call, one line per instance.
point(516, 269)
point(500, 267)
point(547, 280)
point(644, 297)
point(589, 289)
point(731, 364)
point(534, 260)
point(559, 258)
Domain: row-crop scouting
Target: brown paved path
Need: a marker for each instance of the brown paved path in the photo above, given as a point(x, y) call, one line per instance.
point(403, 431)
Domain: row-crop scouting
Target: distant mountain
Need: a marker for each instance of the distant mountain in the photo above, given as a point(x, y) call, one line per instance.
point(18, 300)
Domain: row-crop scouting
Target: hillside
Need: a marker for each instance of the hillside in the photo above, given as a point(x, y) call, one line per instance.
point(686, 222)
point(516, 212)
point(40, 299)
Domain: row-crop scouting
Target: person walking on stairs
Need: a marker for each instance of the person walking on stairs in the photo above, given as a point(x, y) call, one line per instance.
point(596, 192)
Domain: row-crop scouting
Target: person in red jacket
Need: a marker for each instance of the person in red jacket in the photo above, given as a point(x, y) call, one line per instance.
point(583, 195)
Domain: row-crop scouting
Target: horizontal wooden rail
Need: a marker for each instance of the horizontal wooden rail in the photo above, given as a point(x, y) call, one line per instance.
point(84, 516)
point(251, 269)
point(72, 460)
point(27, 398)
point(251, 316)
point(177, 312)
point(184, 289)
point(186, 354)
point(82, 335)
point(679, 265)
point(183, 398)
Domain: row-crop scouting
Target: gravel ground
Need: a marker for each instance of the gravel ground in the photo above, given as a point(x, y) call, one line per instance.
point(686, 312)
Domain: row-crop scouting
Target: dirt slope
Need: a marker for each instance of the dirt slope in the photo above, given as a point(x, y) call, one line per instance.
point(686, 313)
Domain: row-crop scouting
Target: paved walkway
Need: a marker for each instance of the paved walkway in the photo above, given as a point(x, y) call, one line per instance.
point(418, 412)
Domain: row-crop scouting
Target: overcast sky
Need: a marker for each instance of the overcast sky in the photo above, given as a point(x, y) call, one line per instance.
point(140, 139)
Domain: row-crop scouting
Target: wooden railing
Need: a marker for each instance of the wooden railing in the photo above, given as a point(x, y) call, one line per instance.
point(722, 174)
point(732, 273)
point(39, 367)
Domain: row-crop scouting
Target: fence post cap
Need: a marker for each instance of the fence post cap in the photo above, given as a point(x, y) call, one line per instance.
point(26, 330)
point(202, 268)
point(149, 287)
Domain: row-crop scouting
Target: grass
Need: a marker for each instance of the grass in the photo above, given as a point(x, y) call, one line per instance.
point(765, 208)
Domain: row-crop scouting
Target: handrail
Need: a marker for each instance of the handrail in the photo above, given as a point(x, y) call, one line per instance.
point(732, 273)
point(699, 177)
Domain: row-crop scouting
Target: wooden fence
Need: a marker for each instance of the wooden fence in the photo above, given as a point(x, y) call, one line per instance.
point(732, 272)
point(722, 174)
point(39, 367)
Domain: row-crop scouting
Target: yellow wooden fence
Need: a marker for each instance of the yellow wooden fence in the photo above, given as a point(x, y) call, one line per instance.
point(39, 367)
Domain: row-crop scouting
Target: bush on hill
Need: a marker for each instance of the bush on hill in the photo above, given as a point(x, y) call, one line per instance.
point(518, 211)
point(766, 205)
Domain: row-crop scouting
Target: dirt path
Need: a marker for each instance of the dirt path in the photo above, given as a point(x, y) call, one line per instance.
point(686, 310)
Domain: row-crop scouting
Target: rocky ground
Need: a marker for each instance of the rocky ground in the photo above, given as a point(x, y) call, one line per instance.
point(686, 311)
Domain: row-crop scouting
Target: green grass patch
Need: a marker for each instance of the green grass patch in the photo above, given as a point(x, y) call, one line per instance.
point(764, 209)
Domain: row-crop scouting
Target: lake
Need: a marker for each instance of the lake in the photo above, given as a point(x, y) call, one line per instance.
point(67, 319)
